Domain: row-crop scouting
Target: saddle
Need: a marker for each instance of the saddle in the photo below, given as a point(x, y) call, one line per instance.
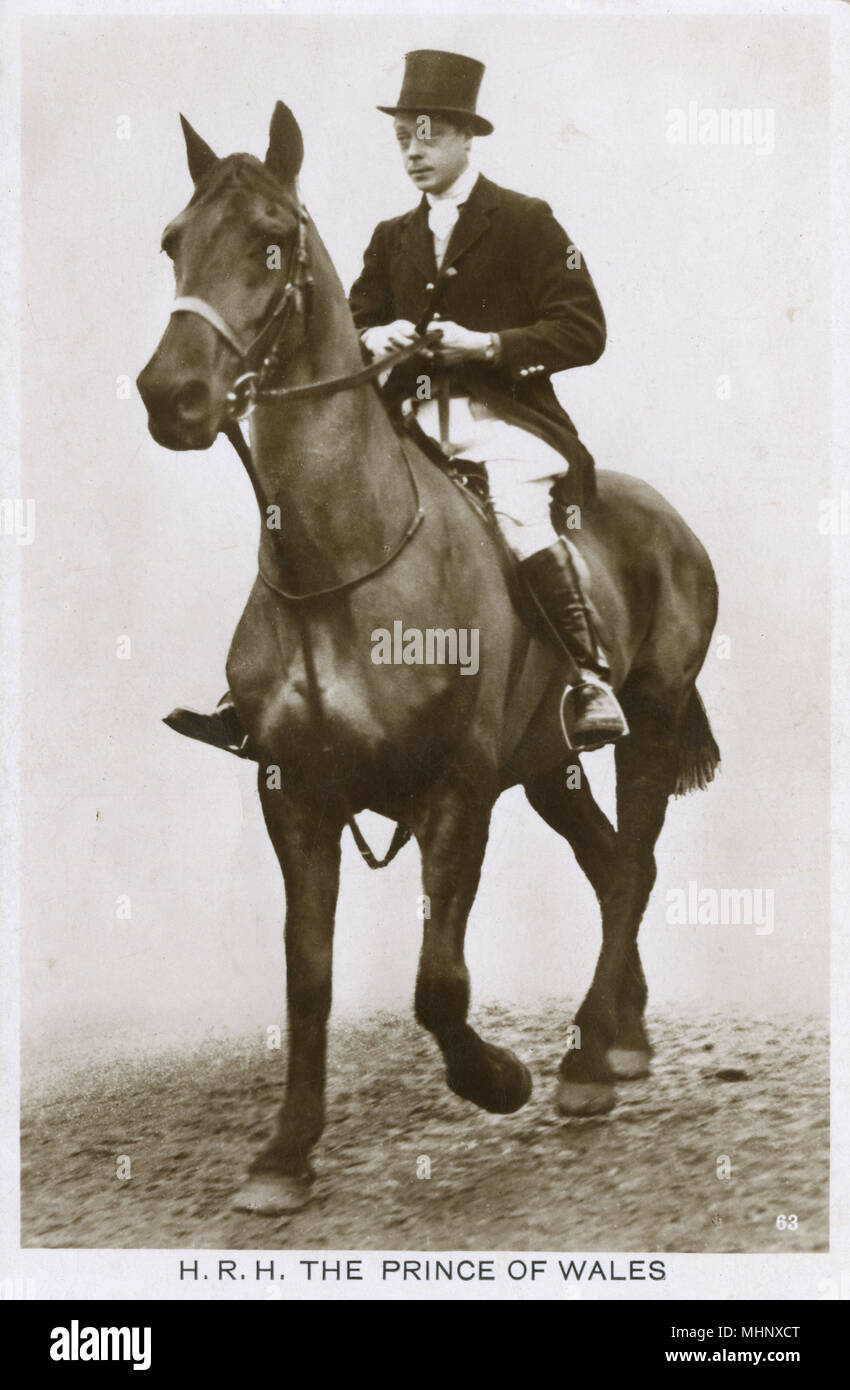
point(470, 479)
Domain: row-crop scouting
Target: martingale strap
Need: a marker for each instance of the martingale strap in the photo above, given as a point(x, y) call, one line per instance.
point(401, 835)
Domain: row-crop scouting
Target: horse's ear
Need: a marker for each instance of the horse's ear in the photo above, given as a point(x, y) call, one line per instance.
point(200, 156)
point(286, 147)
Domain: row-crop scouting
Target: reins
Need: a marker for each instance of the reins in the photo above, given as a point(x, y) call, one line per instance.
point(251, 389)
point(329, 387)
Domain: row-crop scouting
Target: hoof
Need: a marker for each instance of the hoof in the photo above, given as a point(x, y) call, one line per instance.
point(491, 1077)
point(628, 1063)
point(585, 1097)
point(273, 1194)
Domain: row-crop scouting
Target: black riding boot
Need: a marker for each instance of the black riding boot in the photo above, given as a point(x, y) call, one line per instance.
point(590, 713)
point(221, 728)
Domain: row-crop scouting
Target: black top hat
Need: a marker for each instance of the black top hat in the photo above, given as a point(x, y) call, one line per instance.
point(438, 82)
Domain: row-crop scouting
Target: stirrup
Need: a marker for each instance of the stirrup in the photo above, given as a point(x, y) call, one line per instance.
point(591, 678)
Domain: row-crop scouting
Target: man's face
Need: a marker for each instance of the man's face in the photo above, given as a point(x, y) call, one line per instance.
point(434, 151)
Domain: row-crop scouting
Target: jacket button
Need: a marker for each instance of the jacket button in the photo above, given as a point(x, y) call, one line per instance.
point(523, 371)
point(429, 287)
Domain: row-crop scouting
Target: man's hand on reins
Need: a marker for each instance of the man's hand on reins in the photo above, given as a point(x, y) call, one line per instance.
point(458, 344)
point(388, 337)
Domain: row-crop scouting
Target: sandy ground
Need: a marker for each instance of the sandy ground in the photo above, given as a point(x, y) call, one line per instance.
point(643, 1178)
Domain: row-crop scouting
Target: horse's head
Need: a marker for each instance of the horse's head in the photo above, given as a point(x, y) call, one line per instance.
point(235, 252)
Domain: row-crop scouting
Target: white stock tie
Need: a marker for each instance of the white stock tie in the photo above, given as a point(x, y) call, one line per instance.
point(442, 216)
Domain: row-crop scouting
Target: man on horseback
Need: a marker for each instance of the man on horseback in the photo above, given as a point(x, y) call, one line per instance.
point(375, 532)
point(494, 273)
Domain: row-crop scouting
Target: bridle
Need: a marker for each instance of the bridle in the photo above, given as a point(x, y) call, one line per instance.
point(252, 385)
point(255, 385)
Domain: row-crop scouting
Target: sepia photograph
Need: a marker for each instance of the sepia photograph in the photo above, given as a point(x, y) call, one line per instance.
point(422, 675)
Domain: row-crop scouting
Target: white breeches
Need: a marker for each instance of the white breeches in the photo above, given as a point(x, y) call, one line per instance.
point(520, 468)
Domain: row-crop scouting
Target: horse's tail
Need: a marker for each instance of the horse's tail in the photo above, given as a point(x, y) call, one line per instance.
point(699, 755)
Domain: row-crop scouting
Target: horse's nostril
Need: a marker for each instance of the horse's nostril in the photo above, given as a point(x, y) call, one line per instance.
point(192, 400)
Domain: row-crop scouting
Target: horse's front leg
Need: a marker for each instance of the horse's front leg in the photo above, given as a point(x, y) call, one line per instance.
point(307, 842)
point(452, 838)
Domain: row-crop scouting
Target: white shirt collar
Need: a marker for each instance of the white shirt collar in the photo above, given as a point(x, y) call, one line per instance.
point(459, 190)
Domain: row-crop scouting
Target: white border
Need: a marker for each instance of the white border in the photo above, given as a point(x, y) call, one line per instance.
point(133, 1274)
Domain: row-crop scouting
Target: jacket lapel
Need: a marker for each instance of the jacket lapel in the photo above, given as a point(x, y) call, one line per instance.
point(473, 221)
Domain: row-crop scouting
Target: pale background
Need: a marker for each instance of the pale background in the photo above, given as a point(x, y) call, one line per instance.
point(708, 261)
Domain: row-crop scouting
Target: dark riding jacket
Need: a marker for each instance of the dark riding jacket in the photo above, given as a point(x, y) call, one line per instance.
point(511, 269)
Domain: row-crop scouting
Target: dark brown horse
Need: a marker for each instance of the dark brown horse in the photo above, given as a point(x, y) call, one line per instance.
point(424, 744)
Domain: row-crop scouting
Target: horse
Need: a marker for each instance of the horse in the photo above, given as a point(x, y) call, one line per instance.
point(360, 530)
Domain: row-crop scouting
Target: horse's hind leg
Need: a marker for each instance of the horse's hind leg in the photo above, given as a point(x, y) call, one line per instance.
point(568, 805)
point(307, 843)
point(629, 1056)
point(610, 1018)
point(452, 838)
point(562, 796)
